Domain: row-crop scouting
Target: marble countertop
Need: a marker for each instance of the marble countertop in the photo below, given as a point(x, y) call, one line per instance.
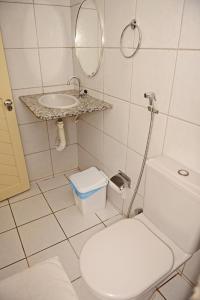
point(87, 104)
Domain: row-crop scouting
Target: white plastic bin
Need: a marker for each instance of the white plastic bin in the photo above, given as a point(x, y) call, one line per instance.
point(89, 188)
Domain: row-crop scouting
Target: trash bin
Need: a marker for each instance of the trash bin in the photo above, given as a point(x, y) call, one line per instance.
point(89, 188)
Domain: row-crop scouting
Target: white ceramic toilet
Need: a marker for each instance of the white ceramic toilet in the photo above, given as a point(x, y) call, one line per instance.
point(130, 258)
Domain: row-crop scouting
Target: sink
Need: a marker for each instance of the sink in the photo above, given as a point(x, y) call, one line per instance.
point(58, 101)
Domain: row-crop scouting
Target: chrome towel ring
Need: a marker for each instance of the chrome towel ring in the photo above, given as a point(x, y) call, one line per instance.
point(133, 24)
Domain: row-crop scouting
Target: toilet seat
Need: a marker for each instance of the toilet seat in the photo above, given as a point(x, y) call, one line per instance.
point(124, 260)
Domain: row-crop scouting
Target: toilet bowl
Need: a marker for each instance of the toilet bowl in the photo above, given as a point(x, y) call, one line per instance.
point(129, 259)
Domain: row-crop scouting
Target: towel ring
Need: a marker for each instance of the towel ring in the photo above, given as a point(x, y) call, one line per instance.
point(133, 24)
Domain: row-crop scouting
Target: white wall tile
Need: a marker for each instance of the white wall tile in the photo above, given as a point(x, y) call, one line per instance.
point(56, 64)
point(117, 74)
point(53, 2)
point(39, 165)
point(160, 22)
point(114, 154)
point(21, 1)
point(95, 119)
point(86, 160)
point(185, 98)
point(34, 137)
point(138, 131)
point(191, 25)
point(91, 139)
point(24, 68)
point(65, 160)
point(18, 25)
point(137, 203)
point(153, 71)
point(53, 26)
point(115, 21)
point(115, 198)
point(70, 132)
point(24, 115)
point(119, 112)
point(133, 167)
point(182, 143)
point(95, 82)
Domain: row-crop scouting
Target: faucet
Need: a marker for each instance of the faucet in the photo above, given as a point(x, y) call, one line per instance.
point(152, 98)
point(79, 83)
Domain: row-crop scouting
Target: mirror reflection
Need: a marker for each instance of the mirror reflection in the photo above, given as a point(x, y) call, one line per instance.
point(89, 36)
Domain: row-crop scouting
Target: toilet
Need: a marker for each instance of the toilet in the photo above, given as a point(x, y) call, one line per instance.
point(129, 259)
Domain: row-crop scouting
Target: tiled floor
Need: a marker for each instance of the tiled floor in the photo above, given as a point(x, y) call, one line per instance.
point(44, 222)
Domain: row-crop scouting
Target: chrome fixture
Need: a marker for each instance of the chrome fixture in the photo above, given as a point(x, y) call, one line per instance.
point(151, 107)
point(121, 180)
point(183, 172)
point(152, 98)
point(79, 83)
point(133, 24)
point(8, 104)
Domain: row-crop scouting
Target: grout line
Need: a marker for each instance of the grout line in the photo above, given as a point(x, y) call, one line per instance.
point(76, 279)
point(167, 281)
point(187, 280)
point(55, 217)
point(10, 229)
point(161, 295)
point(48, 149)
point(14, 263)
point(33, 3)
point(46, 248)
point(18, 234)
point(37, 219)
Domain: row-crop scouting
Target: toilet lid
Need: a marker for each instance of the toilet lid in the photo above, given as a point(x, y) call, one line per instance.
point(124, 260)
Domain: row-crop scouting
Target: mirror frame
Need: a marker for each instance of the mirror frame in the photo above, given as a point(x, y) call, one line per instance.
point(102, 40)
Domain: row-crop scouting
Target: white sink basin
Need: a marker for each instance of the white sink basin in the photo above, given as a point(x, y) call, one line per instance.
point(58, 101)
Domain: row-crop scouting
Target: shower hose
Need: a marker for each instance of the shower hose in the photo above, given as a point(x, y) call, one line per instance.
point(153, 111)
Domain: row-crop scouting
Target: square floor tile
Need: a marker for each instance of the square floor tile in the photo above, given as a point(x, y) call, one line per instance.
point(34, 190)
point(3, 203)
point(13, 269)
point(40, 234)
point(60, 198)
point(66, 255)
point(30, 209)
point(6, 219)
point(83, 291)
point(80, 239)
point(52, 183)
point(108, 212)
point(177, 288)
point(113, 220)
point(11, 249)
point(73, 222)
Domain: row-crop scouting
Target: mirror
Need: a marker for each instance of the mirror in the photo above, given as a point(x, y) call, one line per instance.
point(89, 38)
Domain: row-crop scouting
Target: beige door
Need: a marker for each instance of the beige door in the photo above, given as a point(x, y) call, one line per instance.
point(13, 173)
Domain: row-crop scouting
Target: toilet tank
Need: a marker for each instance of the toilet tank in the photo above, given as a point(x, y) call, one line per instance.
point(172, 202)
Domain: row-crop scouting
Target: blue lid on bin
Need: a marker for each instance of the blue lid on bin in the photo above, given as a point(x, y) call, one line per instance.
point(88, 180)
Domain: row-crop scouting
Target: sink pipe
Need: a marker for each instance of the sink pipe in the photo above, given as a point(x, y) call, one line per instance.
point(61, 135)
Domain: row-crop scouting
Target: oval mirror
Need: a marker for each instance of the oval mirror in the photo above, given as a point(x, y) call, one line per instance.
point(89, 38)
